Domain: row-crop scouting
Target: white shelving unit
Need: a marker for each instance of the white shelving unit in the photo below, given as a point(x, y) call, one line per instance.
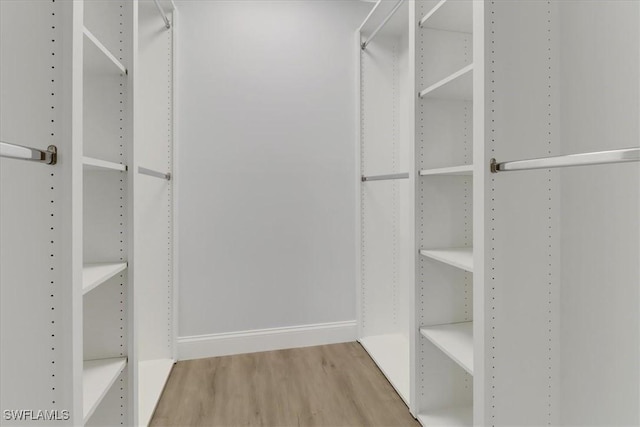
point(154, 149)
point(97, 378)
point(455, 340)
point(458, 257)
point(94, 275)
point(385, 147)
point(554, 237)
point(41, 292)
point(445, 220)
point(106, 205)
point(92, 304)
point(509, 79)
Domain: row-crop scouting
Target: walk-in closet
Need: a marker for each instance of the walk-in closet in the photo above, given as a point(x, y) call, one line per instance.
point(319, 213)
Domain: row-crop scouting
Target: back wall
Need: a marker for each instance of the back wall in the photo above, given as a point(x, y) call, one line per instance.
point(265, 166)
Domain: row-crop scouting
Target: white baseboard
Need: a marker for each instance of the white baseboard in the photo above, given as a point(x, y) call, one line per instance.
point(201, 346)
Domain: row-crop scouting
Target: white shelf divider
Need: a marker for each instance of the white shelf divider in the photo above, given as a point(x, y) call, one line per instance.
point(102, 48)
point(452, 171)
point(97, 378)
point(391, 354)
point(450, 15)
point(457, 257)
point(91, 163)
point(93, 275)
point(457, 86)
point(455, 340)
point(152, 377)
point(448, 417)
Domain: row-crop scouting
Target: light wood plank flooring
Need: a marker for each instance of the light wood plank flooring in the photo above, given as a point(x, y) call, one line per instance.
point(330, 385)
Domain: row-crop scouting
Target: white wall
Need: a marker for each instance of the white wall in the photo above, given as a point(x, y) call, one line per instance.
point(266, 125)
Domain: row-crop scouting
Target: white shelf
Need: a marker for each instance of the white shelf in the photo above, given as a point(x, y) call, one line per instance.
point(94, 275)
point(457, 86)
point(457, 257)
point(455, 340)
point(448, 417)
point(153, 375)
point(378, 13)
point(91, 163)
point(97, 378)
point(452, 171)
point(94, 57)
point(391, 354)
point(450, 15)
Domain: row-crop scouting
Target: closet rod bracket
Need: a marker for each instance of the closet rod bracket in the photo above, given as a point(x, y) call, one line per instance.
point(493, 166)
point(167, 23)
point(20, 152)
point(53, 150)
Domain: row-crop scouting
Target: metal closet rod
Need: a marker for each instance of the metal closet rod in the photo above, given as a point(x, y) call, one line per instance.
point(153, 173)
point(167, 24)
point(385, 177)
point(584, 159)
point(364, 44)
point(15, 151)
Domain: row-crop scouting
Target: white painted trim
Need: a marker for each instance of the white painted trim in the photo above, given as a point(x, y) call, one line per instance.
point(213, 345)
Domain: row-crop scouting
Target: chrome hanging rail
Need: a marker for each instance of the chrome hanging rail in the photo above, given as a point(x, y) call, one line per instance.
point(385, 177)
point(167, 24)
point(364, 44)
point(583, 159)
point(153, 173)
point(14, 151)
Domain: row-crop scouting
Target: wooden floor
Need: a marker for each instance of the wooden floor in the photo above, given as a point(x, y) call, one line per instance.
point(331, 385)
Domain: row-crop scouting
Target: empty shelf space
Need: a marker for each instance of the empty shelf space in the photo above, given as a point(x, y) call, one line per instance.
point(97, 378)
point(457, 86)
point(153, 375)
point(452, 171)
point(91, 163)
point(450, 417)
point(455, 340)
point(457, 257)
point(391, 354)
point(94, 58)
point(94, 275)
point(450, 15)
